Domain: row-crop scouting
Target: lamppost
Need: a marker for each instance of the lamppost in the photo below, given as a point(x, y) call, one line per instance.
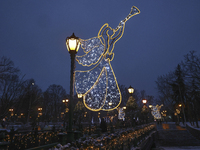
point(39, 114)
point(131, 106)
point(181, 107)
point(144, 109)
point(30, 99)
point(65, 101)
point(150, 117)
point(11, 113)
point(72, 44)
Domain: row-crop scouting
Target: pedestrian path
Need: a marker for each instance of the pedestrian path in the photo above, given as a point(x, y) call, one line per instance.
point(179, 148)
point(170, 126)
point(174, 137)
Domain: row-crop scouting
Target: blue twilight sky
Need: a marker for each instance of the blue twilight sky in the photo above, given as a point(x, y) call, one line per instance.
point(33, 33)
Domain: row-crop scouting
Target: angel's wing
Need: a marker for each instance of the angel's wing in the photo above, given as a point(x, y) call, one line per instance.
point(93, 49)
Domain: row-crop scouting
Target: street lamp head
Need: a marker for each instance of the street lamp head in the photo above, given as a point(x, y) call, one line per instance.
point(65, 100)
point(72, 44)
point(11, 109)
point(80, 95)
point(144, 101)
point(130, 89)
point(150, 106)
point(110, 103)
point(124, 107)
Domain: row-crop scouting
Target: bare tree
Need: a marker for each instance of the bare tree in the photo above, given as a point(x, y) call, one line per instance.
point(10, 83)
point(182, 86)
point(165, 90)
point(53, 97)
point(191, 66)
point(31, 97)
point(7, 67)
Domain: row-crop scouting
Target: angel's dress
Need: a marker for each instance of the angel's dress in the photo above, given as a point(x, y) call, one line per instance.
point(99, 85)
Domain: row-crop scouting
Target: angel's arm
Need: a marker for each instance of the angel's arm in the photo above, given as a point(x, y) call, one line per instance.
point(119, 30)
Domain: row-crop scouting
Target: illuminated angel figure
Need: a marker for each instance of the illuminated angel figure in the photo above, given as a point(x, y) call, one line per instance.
point(98, 85)
point(121, 113)
point(155, 111)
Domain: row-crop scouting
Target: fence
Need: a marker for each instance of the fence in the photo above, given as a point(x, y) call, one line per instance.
point(125, 138)
point(119, 140)
point(27, 139)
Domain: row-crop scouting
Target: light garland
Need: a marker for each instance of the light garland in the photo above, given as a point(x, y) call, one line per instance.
point(98, 85)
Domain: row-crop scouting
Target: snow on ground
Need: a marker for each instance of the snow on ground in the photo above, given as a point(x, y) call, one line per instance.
point(189, 124)
point(180, 148)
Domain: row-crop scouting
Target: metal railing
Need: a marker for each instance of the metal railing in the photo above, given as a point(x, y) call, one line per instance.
point(27, 139)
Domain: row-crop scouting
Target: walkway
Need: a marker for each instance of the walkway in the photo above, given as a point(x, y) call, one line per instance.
point(173, 137)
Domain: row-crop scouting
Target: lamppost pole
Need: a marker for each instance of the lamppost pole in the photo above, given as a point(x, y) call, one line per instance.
point(65, 101)
point(71, 89)
point(131, 102)
point(182, 105)
point(72, 44)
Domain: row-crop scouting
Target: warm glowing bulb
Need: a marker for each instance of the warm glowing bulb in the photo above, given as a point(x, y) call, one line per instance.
point(80, 95)
point(10, 109)
point(130, 90)
point(144, 101)
point(72, 43)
